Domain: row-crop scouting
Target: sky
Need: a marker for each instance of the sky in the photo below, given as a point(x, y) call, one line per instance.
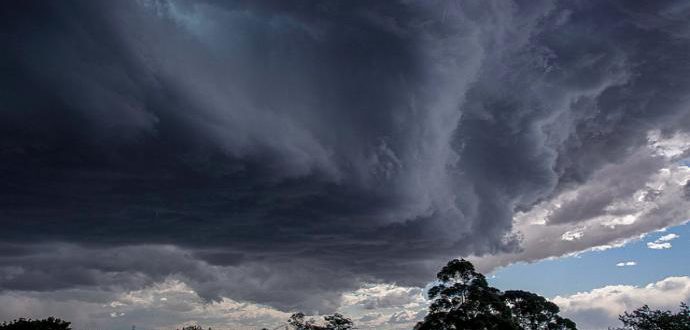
point(227, 163)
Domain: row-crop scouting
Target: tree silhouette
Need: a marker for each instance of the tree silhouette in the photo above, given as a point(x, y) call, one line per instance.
point(333, 322)
point(645, 318)
point(298, 322)
point(193, 327)
point(463, 299)
point(338, 322)
point(532, 311)
point(50, 323)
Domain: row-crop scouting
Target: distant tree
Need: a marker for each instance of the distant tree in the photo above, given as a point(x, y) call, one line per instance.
point(50, 323)
point(194, 327)
point(463, 299)
point(338, 322)
point(333, 322)
point(298, 322)
point(645, 318)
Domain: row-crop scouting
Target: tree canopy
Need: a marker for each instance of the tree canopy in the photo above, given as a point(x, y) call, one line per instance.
point(338, 322)
point(645, 318)
point(463, 299)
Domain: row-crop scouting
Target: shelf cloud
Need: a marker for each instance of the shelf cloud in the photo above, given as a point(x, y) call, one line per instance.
point(282, 153)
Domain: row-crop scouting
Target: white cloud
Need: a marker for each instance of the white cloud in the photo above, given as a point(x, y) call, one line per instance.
point(662, 242)
point(172, 304)
point(385, 306)
point(384, 295)
point(599, 308)
point(626, 264)
point(180, 306)
point(668, 237)
point(405, 317)
point(658, 246)
point(670, 147)
point(619, 204)
point(572, 235)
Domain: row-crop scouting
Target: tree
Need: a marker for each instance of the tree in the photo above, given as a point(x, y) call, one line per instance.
point(463, 299)
point(50, 323)
point(645, 318)
point(338, 322)
point(193, 327)
point(298, 322)
point(532, 311)
point(333, 322)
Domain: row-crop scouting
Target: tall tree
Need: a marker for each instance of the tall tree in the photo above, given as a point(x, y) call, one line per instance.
point(463, 299)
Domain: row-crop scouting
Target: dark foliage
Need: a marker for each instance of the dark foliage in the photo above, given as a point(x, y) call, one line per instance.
point(333, 322)
point(338, 322)
point(298, 322)
point(194, 327)
point(645, 318)
point(50, 323)
point(532, 311)
point(463, 299)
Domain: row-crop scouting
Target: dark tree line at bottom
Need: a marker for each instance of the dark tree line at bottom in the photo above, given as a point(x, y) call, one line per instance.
point(461, 300)
point(50, 323)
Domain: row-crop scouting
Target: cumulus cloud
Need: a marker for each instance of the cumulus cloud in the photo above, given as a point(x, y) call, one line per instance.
point(599, 218)
point(172, 303)
point(164, 305)
point(599, 308)
point(384, 296)
point(663, 242)
point(386, 306)
point(626, 264)
point(659, 246)
point(316, 147)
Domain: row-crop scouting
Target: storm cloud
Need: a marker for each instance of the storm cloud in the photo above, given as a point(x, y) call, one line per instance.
point(283, 152)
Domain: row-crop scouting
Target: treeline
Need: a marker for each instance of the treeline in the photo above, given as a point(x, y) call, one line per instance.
point(461, 299)
point(50, 323)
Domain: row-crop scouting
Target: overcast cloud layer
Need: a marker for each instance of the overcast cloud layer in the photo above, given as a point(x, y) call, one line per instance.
point(284, 152)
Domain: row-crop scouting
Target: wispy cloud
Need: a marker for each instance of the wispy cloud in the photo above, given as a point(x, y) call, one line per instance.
point(668, 237)
point(626, 264)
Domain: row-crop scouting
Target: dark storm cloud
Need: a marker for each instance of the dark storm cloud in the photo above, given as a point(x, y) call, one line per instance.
point(346, 141)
